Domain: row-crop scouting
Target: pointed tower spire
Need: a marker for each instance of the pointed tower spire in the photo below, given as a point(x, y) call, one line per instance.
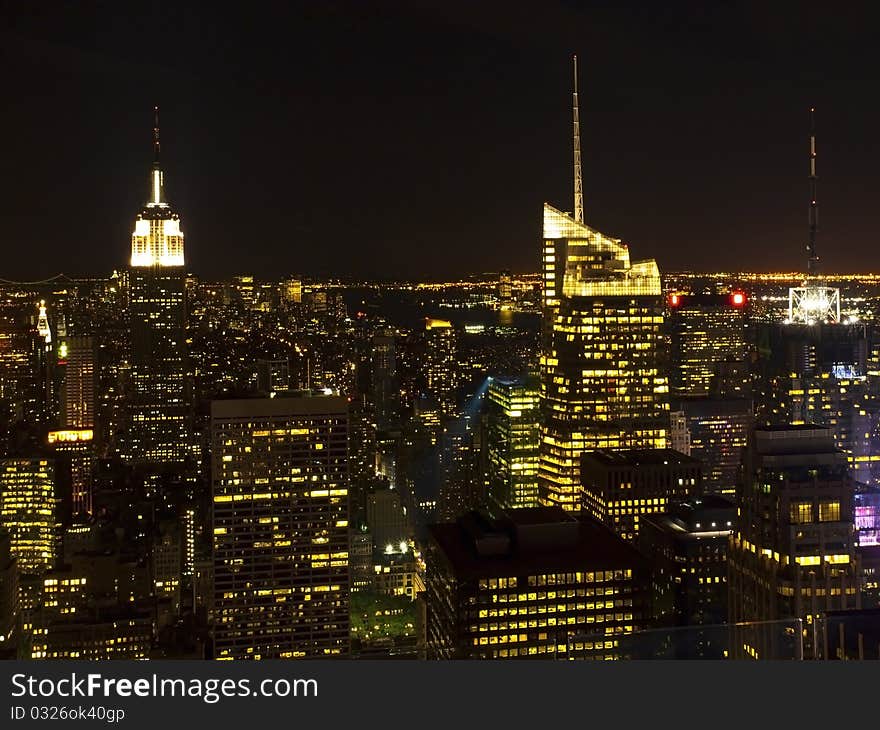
point(812, 256)
point(156, 148)
point(578, 178)
point(157, 179)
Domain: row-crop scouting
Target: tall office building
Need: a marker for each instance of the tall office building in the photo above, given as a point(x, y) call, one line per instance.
point(386, 518)
point(441, 349)
point(385, 386)
point(793, 553)
point(28, 512)
point(280, 526)
point(688, 545)
point(602, 384)
point(513, 434)
point(705, 330)
point(158, 411)
point(715, 432)
point(620, 487)
point(75, 458)
point(819, 373)
point(76, 355)
point(533, 583)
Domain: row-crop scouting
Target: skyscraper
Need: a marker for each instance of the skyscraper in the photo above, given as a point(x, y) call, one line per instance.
point(76, 355)
point(621, 486)
point(513, 433)
point(714, 431)
point(793, 553)
point(440, 364)
point(531, 584)
point(28, 512)
point(158, 411)
point(280, 525)
point(705, 330)
point(602, 385)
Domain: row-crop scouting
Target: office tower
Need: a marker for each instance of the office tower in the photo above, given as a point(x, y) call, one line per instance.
point(505, 291)
point(23, 362)
point(818, 373)
point(166, 567)
point(461, 486)
point(530, 583)
point(441, 373)
point(82, 616)
point(28, 512)
point(158, 411)
point(76, 355)
point(273, 376)
point(513, 434)
point(386, 518)
point(793, 553)
point(361, 560)
point(8, 598)
point(385, 385)
point(280, 526)
point(714, 431)
point(704, 330)
point(688, 548)
point(602, 384)
point(75, 458)
point(291, 291)
point(619, 487)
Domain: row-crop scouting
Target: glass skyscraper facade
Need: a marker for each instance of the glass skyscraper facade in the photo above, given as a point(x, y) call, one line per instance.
point(602, 384)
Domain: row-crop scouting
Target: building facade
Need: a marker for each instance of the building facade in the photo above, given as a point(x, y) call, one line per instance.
point(621, 487)
point(793, 555)
point(280, 527)
point(513, 435)
point(158, 419)
point(602, 380)
point(535, 583)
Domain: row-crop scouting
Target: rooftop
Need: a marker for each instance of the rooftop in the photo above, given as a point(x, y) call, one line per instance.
point(530, 542)
point(640, 457)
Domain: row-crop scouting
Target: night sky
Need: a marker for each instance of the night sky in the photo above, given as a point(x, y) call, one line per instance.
point(420, 139)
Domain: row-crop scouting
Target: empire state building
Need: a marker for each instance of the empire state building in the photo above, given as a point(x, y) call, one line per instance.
point(158, 409)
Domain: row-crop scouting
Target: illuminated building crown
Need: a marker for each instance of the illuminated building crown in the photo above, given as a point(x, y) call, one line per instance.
point(157, 239)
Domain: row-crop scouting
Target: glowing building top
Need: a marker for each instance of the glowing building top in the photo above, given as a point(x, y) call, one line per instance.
point(157, 239)
point(579, 260)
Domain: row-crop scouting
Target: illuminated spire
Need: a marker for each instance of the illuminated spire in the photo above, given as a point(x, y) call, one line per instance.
point(157, 239)
point(157, 181)
point(812, 256)
point(578, 178)
point(43, 328)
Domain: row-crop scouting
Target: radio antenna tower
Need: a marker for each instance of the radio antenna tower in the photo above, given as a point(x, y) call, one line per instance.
point(578, 178)
point(813, 303)
point(812, 256)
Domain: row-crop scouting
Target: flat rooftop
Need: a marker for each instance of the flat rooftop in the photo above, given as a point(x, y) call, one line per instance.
point(531, 542)
point(640, 457)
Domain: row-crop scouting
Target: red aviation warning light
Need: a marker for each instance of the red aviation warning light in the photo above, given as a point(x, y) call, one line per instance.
point(738, 299)
point(674, 300)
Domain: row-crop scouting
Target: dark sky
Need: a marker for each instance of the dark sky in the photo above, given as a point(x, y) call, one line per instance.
point(419, 139)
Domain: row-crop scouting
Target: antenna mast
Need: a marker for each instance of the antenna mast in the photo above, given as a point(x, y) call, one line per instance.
point(156, 135)
point(578, 178)
point(812, 256)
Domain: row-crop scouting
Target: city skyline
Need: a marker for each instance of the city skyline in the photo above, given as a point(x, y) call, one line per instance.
point(228, 442)
point(472, 124)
